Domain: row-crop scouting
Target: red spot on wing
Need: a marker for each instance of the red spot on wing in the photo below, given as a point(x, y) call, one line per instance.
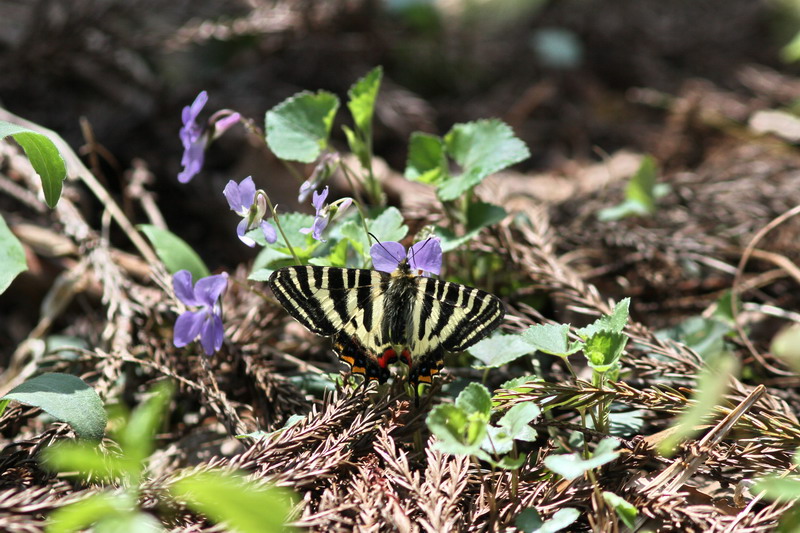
point(406, 355)
point(388, 357)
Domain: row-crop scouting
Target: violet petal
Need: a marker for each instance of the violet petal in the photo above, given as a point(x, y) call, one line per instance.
point(387, 255)
point(187, 327)
point(318, 199)
point(270, 235)
point(426, 256)
point(241, 231)
point(182, 283)
point(208, 289)
point(232, 194)
point(212, 334)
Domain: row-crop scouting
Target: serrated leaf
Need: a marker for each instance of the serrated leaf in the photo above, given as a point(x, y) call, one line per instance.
point(66, 398)
point(174, 252)
point(475, 398)
point(12, 256)
point(552, 339)
point(387, 226)
point(626, 512)
point(243, 506)
point(706, 336)
point(615, 322)
point(362, 96)
point(604, 349)
point(517, 421)
point(299, 127)
point(336, 258)
point(426, 161)
point(481, 148)
point(500, 349)
point(303, 244)
point(44, 157)
point(572, 466)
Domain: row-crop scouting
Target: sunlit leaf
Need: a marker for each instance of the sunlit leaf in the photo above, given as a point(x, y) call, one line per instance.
point(711, 386)
point(12, 256)
point(66, 398)
point(299, 127)
point(426, 159)
point(481, 148)
point(626, 511)
point(44, 157)
point(174, 252)
point(572, 466)
point(500, 349)
point(552, 339)
point(615, 322)
point(242, 505)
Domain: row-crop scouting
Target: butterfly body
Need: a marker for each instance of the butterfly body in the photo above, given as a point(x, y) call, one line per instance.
point(378, 318)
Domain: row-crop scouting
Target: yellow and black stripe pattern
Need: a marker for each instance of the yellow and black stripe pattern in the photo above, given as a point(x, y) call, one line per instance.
point(377, 318)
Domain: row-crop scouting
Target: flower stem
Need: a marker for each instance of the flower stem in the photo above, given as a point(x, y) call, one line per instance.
point(364, 226)
point(280, 228)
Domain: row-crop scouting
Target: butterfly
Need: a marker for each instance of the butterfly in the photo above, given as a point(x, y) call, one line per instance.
point(377, 317)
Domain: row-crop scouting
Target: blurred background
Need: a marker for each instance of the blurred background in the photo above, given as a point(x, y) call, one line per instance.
point(580, 81)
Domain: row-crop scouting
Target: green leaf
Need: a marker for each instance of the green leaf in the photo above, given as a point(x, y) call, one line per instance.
point(268, 261)
point(479, 216)
point(481, 148)
point(724, 309)
point(625, 511)
point(388, 226)
point(12, 256)
point(362, 96)
point(458, 433)
point(710, 389)
point(640, 194)
point(778, 488)
point(298, 128)
point(604, 349)
point(706, 336)
point(136, 437)
point(83, 458)
point(529, 520)
point(475, 398)
point(500, 349)
point(786, 345)
point(174, 252)
point(67, 398)
point(44, 157)
point(552, 339)
point(242, 505)
point(572, 466)
point(80, 515)
point(615, 322)
point(640, 188)
point(517, 421)
point(123, 522)
point(337, 257)
point(426, 162)
point(303, 244)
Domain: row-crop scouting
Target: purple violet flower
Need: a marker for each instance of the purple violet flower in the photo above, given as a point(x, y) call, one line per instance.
point(242, 200)
point(320, 217)
point(194, 142)
point(206, 321)
point(424, 258)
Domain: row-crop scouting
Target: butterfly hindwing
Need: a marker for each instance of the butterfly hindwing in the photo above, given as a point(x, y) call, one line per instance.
point(448, 317)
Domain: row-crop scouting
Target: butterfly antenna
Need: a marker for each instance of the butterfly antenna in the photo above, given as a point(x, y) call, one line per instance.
point(380, 244)
point(414, 253)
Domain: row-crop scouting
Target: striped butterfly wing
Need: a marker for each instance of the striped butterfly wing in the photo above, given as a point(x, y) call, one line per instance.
point(447, 317)
point(344, 303)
